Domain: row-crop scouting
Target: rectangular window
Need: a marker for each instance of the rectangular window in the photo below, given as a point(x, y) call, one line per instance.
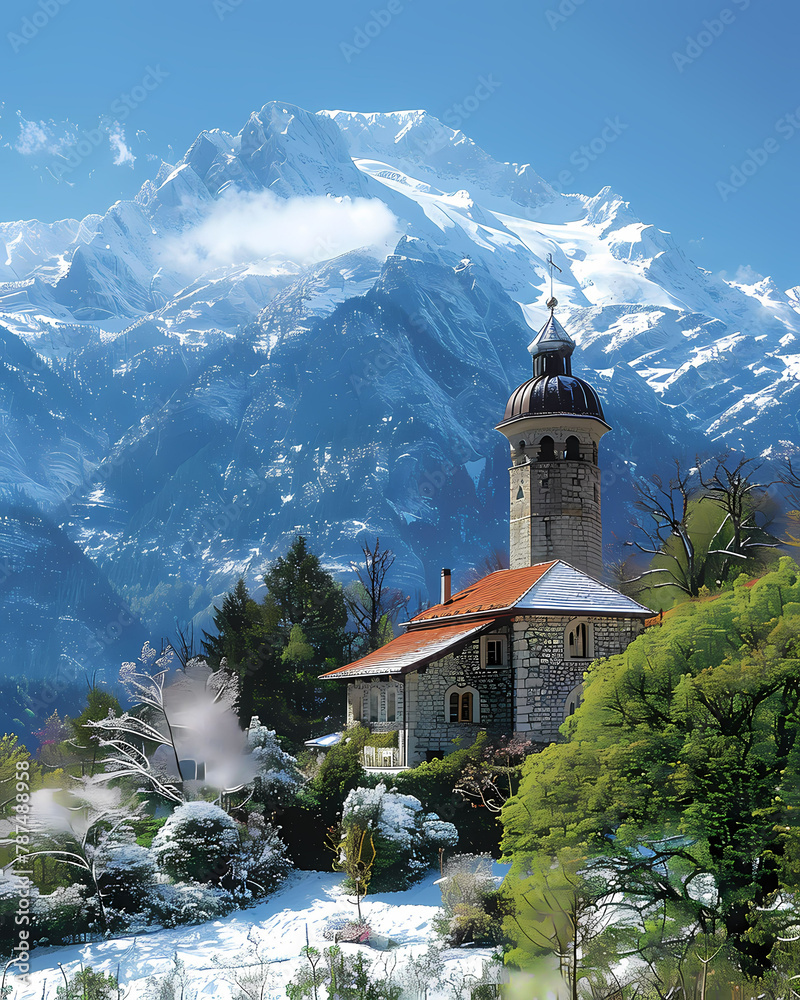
point(466, 707)
point(494, 652)
point(391, 706)
point(374, 705)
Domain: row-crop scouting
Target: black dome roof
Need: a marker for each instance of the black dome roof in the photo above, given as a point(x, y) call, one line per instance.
point(545, 394)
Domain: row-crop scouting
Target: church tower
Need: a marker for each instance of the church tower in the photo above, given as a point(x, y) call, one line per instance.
point(554, 423)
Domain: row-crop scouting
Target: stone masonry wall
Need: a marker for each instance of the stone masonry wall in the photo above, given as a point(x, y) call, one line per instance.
point(544, 677)
point(555, 514)
point(555, 503)
point(429, 730)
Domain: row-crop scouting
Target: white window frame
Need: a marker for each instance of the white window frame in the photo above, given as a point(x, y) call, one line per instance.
point(476, 704)
point(573, 627)
point(382, 692)
point(485, 640)
point(374, 693)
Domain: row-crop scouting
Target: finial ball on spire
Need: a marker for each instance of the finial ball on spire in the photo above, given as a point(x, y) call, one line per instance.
point(552, 303)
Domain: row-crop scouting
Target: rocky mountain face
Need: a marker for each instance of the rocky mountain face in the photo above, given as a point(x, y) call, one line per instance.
point(197, 375)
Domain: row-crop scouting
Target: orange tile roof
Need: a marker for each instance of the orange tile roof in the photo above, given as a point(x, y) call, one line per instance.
point(496, 592)
point(546, 588)
point(412, 649)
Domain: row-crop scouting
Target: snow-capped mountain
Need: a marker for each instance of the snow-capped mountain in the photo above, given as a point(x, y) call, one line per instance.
point(314, 325)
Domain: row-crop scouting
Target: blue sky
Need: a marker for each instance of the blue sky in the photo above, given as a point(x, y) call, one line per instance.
point(697, 89)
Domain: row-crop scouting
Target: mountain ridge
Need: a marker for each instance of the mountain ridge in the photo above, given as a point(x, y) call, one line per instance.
point(351, 391)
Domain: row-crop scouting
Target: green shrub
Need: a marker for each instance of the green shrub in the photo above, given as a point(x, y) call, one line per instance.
point(65, 915)
point(89, 985)
point(125, 872)
point(146, 828)
point(471, 904)
point(433, 783)
point(339, 773)
point(381, 740)
point(197, 843)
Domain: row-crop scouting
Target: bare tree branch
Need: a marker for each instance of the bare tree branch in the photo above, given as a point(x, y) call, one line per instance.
point(370, 602)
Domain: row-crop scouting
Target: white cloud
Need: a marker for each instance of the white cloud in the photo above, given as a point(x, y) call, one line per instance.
point(246, 226)
point(43, 138)
point(747, 275)
point(744, 275)
point(123, 157)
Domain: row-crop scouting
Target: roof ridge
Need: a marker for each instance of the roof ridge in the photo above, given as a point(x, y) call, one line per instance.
point(539, 579)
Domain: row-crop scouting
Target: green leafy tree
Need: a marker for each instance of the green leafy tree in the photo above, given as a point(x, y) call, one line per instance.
point(681, 768)
point(279, 647)
point(99, 704)
point(89, 985)
point(307, 595)
point(557, 907)
point(340, 771)
point(237, 625)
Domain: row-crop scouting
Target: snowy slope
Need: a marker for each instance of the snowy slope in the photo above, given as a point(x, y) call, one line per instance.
point(279, 925)
point(214, 384)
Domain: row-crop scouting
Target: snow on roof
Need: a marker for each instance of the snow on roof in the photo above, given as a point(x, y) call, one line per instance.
point(324, 742)
point(412, 649)
point(567, 589)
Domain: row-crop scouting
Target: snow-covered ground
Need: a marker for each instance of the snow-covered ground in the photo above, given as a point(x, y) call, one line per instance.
point(305, 904)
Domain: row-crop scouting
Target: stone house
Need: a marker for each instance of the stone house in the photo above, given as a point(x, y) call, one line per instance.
point(508, 653)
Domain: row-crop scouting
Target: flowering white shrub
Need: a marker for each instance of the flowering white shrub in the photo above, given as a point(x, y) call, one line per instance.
point(65, 914)
point(407, 839)
point(125, 871)
point(197, 843)
point(200, 843)
point(277, 778)
point(185, 903)
point(261, 863)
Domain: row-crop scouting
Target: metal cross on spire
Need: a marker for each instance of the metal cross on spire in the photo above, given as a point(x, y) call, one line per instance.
point(552, 302)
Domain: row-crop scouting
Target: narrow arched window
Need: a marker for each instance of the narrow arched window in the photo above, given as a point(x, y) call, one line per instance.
point(454, 702)
point(391, 705)
point(578, 641)
point(574, 698)
point(547, 449)
point(462, 705)
point(374, 705)
point(573, 449)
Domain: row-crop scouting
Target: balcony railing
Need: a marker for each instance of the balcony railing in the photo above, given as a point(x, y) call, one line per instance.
point(382, 757)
